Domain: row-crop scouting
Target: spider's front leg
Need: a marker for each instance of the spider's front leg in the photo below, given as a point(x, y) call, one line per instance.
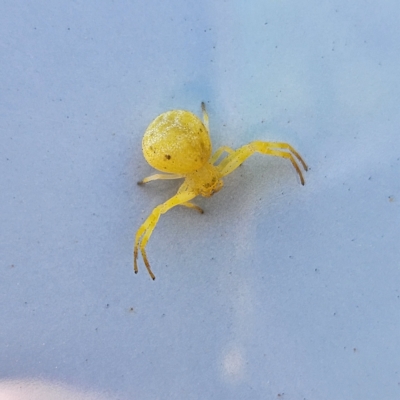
point(144, 232)
point(278, 149)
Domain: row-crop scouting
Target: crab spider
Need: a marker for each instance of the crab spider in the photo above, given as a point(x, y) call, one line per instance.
point(178, 144)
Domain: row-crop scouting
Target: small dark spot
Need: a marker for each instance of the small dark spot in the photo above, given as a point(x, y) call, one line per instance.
point(167, 157)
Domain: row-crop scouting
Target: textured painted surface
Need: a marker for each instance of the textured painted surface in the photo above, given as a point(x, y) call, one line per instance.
point(277, 289)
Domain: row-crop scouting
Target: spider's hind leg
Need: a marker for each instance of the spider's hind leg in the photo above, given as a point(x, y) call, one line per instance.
point(159, 176)
point(205, 116)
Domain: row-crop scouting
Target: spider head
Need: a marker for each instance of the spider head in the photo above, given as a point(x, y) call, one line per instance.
point(206, 181)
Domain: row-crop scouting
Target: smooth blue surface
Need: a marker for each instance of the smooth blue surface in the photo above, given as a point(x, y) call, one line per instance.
point(278, 290)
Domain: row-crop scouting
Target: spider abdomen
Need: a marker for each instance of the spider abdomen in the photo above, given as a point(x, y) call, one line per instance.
point(177, 142)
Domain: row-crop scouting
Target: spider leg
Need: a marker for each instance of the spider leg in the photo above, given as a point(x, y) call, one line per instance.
point(146, 229)
point(219, 152)
point(194, 206)
point(205, 116)
point(159, 176)
point(232, 161)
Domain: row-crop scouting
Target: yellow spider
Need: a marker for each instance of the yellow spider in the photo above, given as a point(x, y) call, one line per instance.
point(178, 143)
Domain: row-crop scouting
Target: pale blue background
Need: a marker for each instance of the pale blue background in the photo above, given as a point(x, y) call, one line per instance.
point(278, 290)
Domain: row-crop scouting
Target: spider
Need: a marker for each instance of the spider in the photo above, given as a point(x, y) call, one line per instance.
point(178, 144)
